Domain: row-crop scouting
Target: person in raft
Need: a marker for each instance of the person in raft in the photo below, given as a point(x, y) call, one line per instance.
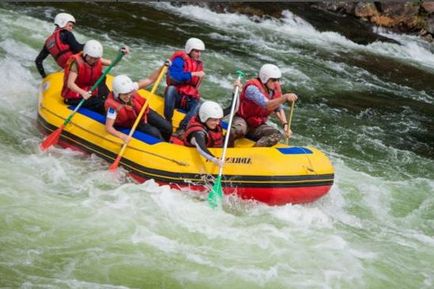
point(123, 105)
point(204, 130)
point(183, 80)
point(259, 98)
point(81, 72)
point(61, 44)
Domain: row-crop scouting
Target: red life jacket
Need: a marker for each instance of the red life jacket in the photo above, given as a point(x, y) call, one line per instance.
point(59, 50)
point(86, 76)
point(214, 138)
point(127, 114)
point(252, 113)
point(189, 88)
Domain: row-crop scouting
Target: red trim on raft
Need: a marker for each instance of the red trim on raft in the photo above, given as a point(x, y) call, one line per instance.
point(271, 196)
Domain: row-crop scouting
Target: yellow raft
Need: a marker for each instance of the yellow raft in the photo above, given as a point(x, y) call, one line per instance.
point(277, 175)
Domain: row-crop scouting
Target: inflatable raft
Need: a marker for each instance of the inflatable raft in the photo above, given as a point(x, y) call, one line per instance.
point(276, 176)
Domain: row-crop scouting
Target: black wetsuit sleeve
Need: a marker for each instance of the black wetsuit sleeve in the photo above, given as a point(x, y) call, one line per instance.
point(69, 38)
point(227, 110)
point(200, 138)
point(40, 59)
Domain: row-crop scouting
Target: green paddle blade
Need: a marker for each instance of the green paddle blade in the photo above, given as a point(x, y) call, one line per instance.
point(215, 196)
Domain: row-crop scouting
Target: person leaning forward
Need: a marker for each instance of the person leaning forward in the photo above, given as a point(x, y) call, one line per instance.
point(81, 72)
point(205, 131)
point(259, 98)
point(183, 80)
point(61, 44)
point(124, 104)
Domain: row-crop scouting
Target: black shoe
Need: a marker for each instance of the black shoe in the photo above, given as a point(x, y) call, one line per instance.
point(179, 133)
point(268, 141)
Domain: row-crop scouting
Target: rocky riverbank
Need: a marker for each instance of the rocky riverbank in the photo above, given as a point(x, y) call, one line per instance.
point(408, 17)
point(415, 17)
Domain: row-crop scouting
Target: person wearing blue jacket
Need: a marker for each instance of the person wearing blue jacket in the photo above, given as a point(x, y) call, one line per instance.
point(183, 80)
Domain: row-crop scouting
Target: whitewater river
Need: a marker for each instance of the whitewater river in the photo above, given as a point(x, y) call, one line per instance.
point(65, 222)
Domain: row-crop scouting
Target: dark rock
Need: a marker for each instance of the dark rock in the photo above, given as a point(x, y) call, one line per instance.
point(349, 7)
point(252, 9)
point(384, 21)
point(339, 6)
point(428, 6)
point(400, 9)
point(346, 25)
point(430, 24)
point(402, 16)
point(428, 37)
point(330, 6)
point(365, 10)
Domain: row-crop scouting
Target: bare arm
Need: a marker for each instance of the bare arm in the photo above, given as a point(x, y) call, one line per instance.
point(110, 129)
point(143, 83)
point(73, 86)
point(276, 102)
point(281, 116)
point(106, 62)
point(255, 95)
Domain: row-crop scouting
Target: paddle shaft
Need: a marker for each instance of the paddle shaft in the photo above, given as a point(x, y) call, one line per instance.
point(216, 193)
point(139, 117)
point(100, 79)
point(180, 163)
point(290, 119)
point(228, 131)
point(53, 138)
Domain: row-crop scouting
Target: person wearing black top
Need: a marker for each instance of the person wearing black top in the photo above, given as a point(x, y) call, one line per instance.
point(204, 131)
point(61, 44)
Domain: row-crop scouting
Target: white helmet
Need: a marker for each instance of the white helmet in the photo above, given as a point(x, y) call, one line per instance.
point(268, 71)
point(122, 84)
point(210, 109)
point(92, 48)
point(62, 19)
point(194, 43)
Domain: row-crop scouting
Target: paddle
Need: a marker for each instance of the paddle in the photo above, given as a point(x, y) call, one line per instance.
point(53, 138)
point(290, 120)
point(115, 164)
point(216, 193)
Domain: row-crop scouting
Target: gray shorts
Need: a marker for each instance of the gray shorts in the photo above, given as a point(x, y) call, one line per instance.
point(264, 131)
